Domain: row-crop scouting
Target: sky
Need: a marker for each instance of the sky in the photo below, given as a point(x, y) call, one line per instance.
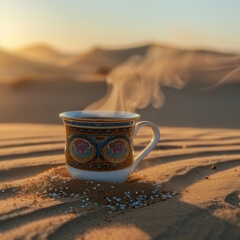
point(77, 25)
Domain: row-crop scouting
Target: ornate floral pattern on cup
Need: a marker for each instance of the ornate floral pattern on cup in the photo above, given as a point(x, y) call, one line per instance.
point(116, 151)
point(82, 150)
point(93, 150)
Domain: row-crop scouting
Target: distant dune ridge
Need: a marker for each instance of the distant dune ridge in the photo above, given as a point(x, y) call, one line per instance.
point(43, 61)
point(15, 68)
point(138, 82)
point(193, 87)
point(42, 53)
point(102, 58)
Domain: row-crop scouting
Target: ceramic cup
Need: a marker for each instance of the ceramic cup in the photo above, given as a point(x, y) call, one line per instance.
point(99, 144)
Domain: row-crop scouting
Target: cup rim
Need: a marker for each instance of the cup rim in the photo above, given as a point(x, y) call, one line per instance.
point(99, 115)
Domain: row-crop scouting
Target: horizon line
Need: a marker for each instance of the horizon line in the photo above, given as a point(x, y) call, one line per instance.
point(121, 47)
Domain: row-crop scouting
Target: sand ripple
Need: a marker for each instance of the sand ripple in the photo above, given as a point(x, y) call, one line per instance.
point(201, 165)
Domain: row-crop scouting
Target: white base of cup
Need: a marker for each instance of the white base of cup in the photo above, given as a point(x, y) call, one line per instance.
point(110, 176)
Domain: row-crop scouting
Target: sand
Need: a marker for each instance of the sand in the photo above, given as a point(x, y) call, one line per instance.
point(41, 102)
point(200, 166)
point(190, 181)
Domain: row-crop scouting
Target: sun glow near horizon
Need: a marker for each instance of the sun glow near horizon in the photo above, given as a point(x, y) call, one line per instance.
point(79, 25)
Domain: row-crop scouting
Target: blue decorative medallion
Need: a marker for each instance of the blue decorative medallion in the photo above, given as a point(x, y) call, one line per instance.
point(116, 151)
point(82, 150)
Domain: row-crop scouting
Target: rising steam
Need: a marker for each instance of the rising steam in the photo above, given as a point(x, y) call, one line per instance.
point(139, 81)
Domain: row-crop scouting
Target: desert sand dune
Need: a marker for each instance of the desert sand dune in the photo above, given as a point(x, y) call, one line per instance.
point(42, 53)
point(191, 106)
point(196, 161)
point(99, 59)
point(202, 102)
point(103, 60)
point(44, 62)
point(206, 205)
point(15, 68)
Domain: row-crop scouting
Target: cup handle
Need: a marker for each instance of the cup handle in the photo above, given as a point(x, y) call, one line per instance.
point(151, 145)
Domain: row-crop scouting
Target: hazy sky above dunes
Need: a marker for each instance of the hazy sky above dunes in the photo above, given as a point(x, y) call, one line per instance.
point(79, 24)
